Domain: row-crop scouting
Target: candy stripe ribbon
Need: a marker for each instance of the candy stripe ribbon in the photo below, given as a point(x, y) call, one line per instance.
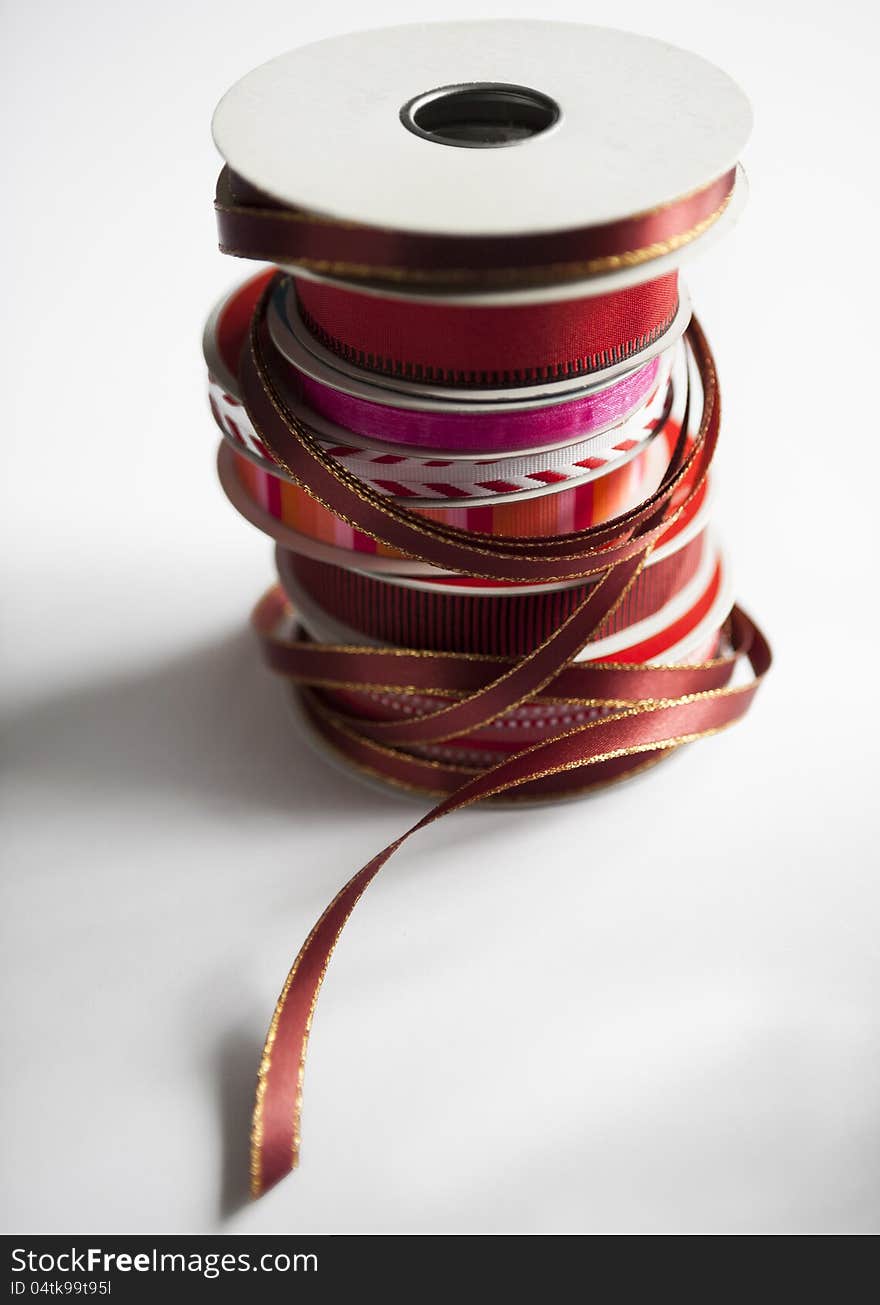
point(402, 475)
point(420, 475)
point(476, 345)
point(663, 707)
point(251, 225)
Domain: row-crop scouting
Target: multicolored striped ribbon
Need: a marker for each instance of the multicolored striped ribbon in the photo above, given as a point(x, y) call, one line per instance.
point(529, 514)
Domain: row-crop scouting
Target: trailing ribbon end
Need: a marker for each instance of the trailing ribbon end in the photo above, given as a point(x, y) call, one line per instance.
point(275, 1129)
point(633, 734)
point(649, 710)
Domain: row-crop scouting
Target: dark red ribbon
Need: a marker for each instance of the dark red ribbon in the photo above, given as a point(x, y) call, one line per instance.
point(252, 225)
point(663, 707)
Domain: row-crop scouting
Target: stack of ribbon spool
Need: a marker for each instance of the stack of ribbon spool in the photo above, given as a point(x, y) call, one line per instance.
point(470, 405)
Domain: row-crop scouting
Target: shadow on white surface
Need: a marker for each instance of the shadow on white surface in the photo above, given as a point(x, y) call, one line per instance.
point(236, 1071)
point(172, 839)
point(139, 776)
point(209, 726)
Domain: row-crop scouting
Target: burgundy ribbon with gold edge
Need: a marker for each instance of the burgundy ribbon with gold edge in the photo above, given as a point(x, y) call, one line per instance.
point(613, 747)
point(657, 708)
point(251, 225)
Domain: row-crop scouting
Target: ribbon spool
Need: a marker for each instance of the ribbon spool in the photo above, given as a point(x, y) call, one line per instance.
point(531, 652)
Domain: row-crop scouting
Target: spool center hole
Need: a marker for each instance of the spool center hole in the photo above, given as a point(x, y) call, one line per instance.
point(480, 115)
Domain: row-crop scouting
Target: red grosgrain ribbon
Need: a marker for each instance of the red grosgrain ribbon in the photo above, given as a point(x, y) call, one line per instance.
point(252, 225)
point(658, 708)
point(474, 345)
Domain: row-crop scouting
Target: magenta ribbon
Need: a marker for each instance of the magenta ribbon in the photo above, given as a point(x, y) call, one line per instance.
point(485, 431)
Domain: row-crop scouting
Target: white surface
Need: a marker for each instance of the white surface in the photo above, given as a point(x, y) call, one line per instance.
point(640, 123)
point(654, 1011)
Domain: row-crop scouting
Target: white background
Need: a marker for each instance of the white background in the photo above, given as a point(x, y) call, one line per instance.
point(652, 1012)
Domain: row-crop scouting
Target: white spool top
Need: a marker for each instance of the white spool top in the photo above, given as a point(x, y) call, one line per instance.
point(612, 125)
